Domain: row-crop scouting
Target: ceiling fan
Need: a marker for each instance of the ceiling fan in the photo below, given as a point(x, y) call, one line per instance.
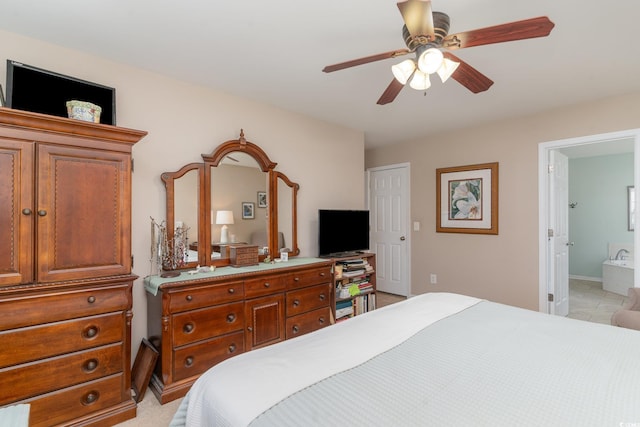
point(426, 34)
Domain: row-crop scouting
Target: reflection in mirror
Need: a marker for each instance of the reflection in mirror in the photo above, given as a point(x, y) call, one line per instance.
point(187, 193)
point(184, 215)
point(236, 182)
point(287, 193)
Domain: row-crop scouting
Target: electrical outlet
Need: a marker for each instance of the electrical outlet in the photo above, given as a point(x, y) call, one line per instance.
point(434, 279)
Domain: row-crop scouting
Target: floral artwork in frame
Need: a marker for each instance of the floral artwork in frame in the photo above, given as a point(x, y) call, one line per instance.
point(248, 210)
point(467, 199)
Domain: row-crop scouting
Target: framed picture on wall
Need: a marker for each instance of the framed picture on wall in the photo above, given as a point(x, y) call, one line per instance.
point(262, 199)
point(248, 210)
point(467, 199)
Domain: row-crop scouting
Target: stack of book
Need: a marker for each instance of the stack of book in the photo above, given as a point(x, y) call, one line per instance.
point(353, 268)
point(344, 310)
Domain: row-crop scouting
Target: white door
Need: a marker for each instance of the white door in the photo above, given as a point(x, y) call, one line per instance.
point(389, 207)
point(558, 284)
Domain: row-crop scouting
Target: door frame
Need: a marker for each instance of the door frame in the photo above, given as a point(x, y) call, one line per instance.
point(543, 200)
point(407, 208)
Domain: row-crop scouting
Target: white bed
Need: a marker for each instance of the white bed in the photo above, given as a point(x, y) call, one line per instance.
point(436, 359)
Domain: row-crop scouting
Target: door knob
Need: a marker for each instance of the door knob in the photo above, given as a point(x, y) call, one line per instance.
point(570, 243)
point(402, 238)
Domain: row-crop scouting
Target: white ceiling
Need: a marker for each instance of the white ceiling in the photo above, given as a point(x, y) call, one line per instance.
point(273, 51)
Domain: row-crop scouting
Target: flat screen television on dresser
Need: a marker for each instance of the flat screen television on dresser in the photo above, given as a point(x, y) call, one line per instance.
point(342, 232)
point(33, 89)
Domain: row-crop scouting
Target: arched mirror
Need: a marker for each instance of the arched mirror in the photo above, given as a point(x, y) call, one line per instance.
point(184, 216)
point(286, 194)
point(239, 200)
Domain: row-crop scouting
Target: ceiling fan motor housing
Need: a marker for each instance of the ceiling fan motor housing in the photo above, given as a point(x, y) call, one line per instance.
point(440, 28)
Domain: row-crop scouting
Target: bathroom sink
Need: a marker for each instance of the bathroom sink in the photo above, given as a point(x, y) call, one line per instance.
point(621, 262)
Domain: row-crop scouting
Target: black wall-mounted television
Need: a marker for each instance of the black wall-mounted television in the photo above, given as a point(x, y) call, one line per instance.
point(342, 231)
point(40, 91)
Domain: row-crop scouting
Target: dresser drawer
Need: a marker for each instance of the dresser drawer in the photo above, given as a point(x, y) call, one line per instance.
point(307, 299)
point(197, 325)
point(49, 307)
point(204, 296)
point(263, 286)
point(308, 322)
point(38, 342)
point(309, 277)
point(63, 405)
point(31, 379)
point(194, 359)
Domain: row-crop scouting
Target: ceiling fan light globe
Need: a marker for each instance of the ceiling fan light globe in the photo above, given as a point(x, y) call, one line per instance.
point(447, 68)
point(420, 81)
point(430, 60)
point(403, 71)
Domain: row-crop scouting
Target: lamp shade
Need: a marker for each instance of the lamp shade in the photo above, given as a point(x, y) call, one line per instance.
point(224, 217)
point(447, 68)
point(430, 60)
point(402, 71)
point(420, 81)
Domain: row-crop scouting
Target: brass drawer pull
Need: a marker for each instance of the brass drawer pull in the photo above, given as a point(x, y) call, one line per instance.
point(42, 212)
point(188, 361)
point(296, 279)
point(91, 397)
point(90, 365)
point(322, 274)
point(232, 348)
point(321, 320)
point(188, 328)
point(188, 298)
point(322, 297)
point(26, 211)
point(90, 332)
point(295, 329)
point(91, 299)
point(267, 284)
point(231, 290)
point(296, 303)
point(231, 317)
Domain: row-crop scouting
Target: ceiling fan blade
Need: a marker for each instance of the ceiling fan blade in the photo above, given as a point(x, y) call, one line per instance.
point(519, 30)
point(418, 17)
point(468, 76)
point(365, 60)
point(391, 92)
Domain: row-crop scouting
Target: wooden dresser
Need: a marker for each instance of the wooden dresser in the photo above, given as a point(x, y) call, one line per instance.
point(65, 269)
point(199, 320)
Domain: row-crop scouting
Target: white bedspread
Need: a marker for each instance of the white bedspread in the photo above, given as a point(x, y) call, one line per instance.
point(276, 372)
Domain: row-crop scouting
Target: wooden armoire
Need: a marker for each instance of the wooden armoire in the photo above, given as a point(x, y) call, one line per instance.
point(65, 268)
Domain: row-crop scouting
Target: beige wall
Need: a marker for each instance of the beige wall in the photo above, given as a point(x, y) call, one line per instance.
point(184, 121)
point(502, 268)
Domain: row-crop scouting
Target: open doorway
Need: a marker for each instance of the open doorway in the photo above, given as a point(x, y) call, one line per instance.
point(554, 270)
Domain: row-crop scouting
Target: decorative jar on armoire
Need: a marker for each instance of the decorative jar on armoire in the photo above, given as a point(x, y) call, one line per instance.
point(65, 268)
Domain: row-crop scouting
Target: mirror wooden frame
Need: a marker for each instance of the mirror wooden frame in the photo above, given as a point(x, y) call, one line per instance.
point(204, 198)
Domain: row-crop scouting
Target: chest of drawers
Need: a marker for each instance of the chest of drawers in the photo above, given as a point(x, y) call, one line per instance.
point(198, 321)
point(67, 343)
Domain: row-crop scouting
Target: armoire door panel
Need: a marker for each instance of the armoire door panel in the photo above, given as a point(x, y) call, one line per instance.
point(16, 212)
point(82, 213)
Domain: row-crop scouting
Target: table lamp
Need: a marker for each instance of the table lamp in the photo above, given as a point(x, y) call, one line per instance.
point(223, 218)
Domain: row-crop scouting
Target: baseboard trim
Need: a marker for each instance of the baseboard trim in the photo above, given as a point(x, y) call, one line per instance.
point(588, 278)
